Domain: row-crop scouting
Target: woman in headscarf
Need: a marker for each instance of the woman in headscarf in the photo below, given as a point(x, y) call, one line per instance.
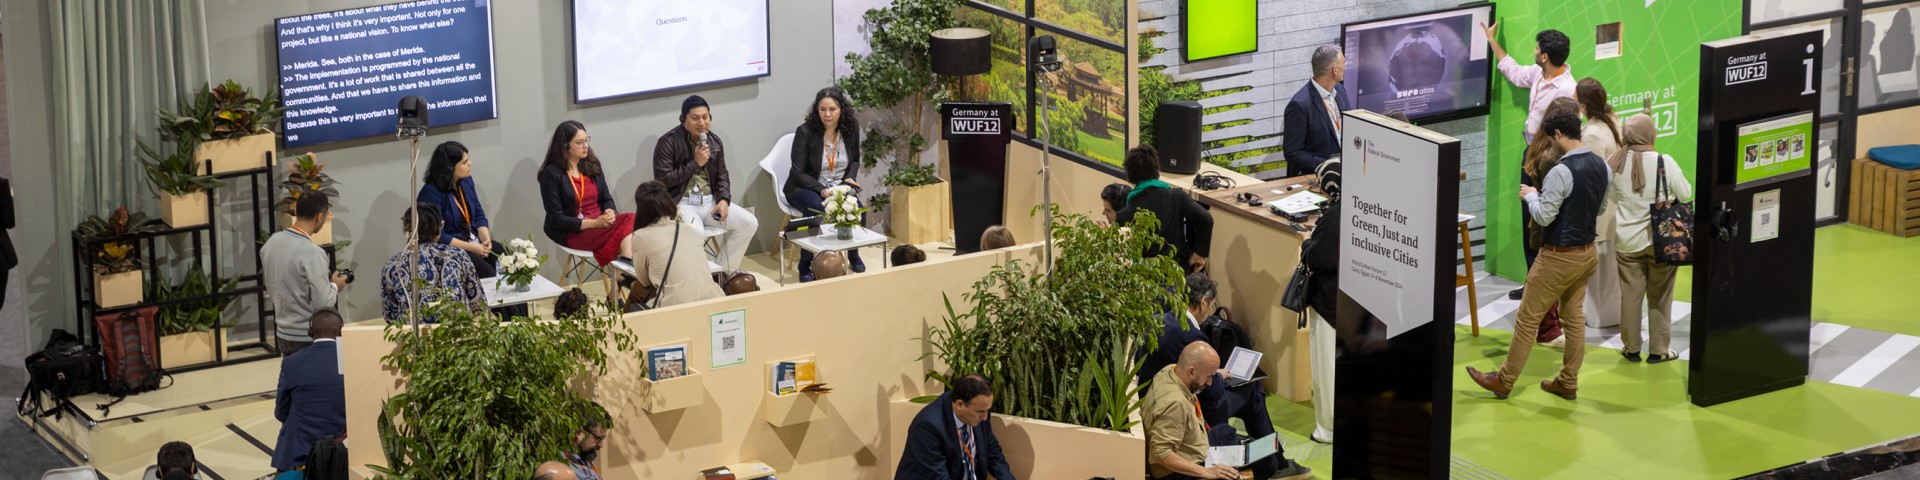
point(1637, 169)
point(1323, 257)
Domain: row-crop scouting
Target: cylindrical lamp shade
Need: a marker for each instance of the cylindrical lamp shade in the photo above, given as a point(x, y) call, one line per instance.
point(960, 52)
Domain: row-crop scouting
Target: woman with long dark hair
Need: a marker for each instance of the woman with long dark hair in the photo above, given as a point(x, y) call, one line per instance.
point(449, 187)
point(1603, 135)
point(826, 153)
point(580, 212)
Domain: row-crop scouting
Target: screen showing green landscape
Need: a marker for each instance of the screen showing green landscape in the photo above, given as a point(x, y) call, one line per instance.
point(1217, 28)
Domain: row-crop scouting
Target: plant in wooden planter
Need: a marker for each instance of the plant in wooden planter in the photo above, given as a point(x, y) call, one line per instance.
point(917, 203)
point(115, 260)
point(183, 190)
point(191, 332)
point(235, 128)
point(305, 176)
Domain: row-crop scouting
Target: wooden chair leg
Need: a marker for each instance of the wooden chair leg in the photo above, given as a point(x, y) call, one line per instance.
point(1473, 292)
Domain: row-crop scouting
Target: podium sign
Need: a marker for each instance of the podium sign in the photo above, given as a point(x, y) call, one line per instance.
point(976, 134)
point(1753, 236)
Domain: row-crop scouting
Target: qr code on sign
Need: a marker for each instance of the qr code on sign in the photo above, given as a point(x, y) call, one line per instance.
point(1766, 218)
point(726, 343)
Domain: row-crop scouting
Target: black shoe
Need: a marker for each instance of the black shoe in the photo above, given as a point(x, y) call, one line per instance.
point(1631, 356)
point(1516, 293)
point(853, 261)
point(1294, 471)
point(806, 277)
point(1653, 359)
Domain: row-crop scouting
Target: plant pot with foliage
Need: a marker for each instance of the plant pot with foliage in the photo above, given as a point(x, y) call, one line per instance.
point(114, 259)
point(306, 175)
point(191, 332)
point(176, 177)
point(919, 203)
point(235, 128)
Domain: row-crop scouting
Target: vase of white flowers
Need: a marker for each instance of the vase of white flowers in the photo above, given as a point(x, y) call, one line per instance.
point(843, 211)
point(520, 263)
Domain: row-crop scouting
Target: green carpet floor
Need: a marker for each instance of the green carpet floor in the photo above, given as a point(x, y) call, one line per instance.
point(1633, 421)
point(1861, 278)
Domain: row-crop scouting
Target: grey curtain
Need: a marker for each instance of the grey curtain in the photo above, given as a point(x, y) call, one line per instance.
point(115, 62)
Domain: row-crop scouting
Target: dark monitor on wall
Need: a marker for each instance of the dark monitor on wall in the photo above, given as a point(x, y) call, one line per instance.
point(1218, 28)
point(1433, 66)
point(342, 72)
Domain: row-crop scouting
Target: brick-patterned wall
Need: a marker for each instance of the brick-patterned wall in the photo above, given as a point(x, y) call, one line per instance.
point(1289, 30)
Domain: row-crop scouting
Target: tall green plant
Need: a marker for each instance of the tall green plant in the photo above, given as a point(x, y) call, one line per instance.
point(194, 316)
point(177, 173)
point(896, 73)
point(486, 398)
point(222, 112)
point(1059, 346)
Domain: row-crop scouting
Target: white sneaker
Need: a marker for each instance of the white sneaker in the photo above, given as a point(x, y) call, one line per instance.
point(1322, 435)
point(1558, 343)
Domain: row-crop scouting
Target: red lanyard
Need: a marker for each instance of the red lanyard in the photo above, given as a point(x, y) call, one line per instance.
point(579, 193)
point(1332, 112)
point(964, 446)
point(832, 159)
point(464, 213)
point(297, 230)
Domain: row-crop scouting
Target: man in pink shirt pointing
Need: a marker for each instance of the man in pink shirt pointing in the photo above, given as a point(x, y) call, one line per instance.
point(1547, 78)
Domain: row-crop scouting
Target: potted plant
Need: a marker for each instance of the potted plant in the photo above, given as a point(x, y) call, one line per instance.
point(191, 332)
point(234, 127)
point(521, 262)
point(843, 211)
point(917, 203)
point(176, 177)
point(115, 261)
point(306, 175)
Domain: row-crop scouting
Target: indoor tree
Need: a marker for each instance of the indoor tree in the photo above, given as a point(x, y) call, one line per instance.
point(897, 78)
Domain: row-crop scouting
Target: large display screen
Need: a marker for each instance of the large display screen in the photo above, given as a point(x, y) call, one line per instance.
point(342, 73)
point(1431, 66)
point(1218, 28)
point(623, 47)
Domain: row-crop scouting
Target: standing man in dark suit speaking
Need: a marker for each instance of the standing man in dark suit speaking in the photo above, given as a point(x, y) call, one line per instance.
point(1310, 127)
point(951, 440)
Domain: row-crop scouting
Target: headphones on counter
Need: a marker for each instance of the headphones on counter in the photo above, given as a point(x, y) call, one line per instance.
point(1213, 181)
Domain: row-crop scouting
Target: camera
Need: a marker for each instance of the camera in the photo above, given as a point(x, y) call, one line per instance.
point(1046, 57)
point(349, 273)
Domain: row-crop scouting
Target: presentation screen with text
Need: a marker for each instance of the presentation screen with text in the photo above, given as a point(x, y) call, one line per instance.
point(623, 48)
point(342, 73)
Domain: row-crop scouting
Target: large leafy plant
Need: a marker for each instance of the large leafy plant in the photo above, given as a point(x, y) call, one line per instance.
point(305, 174)
point(486, 398)
point(111, 254)
point(194, 316)
point(222, 112)
point(177, 173)
point(1058, 346)
point(897, 74)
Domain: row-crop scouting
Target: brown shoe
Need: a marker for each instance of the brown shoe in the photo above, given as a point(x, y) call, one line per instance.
point(1489, 381)
point(1554, 388)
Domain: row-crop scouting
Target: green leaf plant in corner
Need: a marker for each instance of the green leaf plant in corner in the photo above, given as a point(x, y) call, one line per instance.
point(1060, 346)
point(195, 316)
point(487, 398)
point(176, 173)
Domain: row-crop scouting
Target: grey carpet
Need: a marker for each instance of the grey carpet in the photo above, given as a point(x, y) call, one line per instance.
point(24, 454)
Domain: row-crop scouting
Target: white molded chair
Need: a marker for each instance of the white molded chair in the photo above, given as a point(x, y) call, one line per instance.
point(581, 261)
point(778, 163)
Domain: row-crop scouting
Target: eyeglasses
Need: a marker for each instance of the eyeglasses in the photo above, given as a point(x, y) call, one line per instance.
point(582, 143)
point(596, 436)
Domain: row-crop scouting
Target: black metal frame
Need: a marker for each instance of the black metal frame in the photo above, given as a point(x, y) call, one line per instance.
point(261, 179)
point(1036, 26)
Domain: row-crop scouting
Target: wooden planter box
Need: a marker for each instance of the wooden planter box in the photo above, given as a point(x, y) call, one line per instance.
point(1043, 449)
point(184, 210)
point(193, 348)
point(118, 290)
point(322, 237)
point(921, 214)
point(244, 153)
point(1885, 198)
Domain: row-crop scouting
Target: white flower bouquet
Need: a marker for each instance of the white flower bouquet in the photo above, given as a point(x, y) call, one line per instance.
point(520, 263)
point(842, 210)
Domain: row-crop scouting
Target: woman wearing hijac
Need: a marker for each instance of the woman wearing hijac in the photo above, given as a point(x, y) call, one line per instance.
point(1637, 173)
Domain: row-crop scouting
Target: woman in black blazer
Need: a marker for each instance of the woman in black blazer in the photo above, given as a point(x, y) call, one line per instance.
point(580, 211)
point(826, 153)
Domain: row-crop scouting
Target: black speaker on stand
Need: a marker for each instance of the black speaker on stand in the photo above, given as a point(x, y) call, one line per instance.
point(1177, 125)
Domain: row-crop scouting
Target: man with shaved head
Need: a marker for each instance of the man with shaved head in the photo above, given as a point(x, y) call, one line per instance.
point(1177, 432)
point(829, 264)
point(554, 471)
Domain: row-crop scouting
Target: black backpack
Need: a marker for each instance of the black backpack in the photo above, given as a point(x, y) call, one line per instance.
point(1223, 333)
point(327, 460)
point(64, 369)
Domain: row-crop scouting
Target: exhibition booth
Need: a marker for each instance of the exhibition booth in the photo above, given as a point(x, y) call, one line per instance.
point(155, 213)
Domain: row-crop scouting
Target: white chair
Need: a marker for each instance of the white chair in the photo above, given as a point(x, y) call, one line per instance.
point(581, 261)
point(74, 473)
point(778, 163)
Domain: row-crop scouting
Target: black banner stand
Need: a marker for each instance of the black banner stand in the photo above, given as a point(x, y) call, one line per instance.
point(1753, 293)
point(977, 134)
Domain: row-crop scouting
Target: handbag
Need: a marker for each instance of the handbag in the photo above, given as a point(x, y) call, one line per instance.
point(1298, 288)
point(1672, 224)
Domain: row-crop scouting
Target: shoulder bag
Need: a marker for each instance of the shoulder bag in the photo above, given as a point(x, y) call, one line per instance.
point(1672, 223)
point(647, 297)
point(1298, 288)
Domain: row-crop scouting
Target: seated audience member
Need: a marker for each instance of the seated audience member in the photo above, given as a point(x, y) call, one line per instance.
point(829, 264)
point(447, 270)
point(741, 282)
point(690, 161)
point(995, 237)
point(908, 255)
point(1246, 402)
point(587, 442)
point(311, 401)
point(572, 304)
point(449, 187)
point(554, 471)
point(1177, 434)
point(580, 212)
point(951, 438)
point(175, 462)
point(1113, 198)
point(666, 252)
point(826, 153)
point(1184, 224)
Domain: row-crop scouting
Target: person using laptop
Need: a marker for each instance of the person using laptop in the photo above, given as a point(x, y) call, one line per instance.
point(1223, 397)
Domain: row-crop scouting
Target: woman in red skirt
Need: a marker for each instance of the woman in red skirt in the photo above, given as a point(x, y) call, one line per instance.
point(580, 210)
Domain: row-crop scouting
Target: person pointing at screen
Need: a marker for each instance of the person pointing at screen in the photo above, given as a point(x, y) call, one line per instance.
point(1548, 78)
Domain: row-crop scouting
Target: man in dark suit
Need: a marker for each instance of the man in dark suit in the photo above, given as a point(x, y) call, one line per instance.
point(1310, 127)
point(951, 439)
point(312, 399)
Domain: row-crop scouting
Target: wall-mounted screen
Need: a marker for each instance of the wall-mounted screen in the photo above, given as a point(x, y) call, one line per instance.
point(342, 73)
point(1431, 66)
point(623, 48)
point(1219, 28)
